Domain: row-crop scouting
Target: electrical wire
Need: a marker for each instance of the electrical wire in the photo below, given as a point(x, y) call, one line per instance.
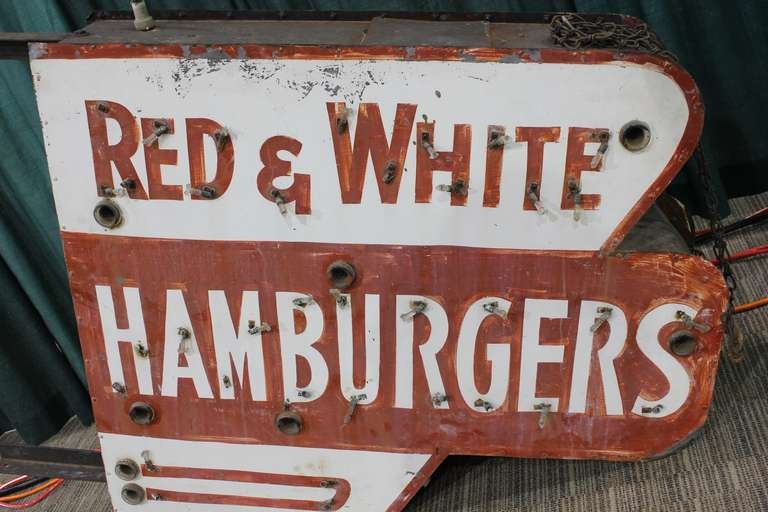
point(753, 251)
point(6, 485)
point(749, 306)
point(753, 219)
point(44, 489)
point(26, 484)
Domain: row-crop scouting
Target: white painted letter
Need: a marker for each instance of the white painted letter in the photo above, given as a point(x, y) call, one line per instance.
point(134, 334)
point(372, 349)
point(176, 316)
point(673, 370)
point(497, 353)
point(617, 337)
point(438, 321)
point(294, 345)
point(533, 353)
point(234, 351)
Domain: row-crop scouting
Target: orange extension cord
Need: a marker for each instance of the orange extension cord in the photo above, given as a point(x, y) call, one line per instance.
point(45, 489)
point(753, 251)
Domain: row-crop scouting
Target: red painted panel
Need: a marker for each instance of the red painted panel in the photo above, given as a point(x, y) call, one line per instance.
point(452, 276)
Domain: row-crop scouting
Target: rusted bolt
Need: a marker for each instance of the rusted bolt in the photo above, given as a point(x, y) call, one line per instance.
point(635, 136)
point(328, 483)
point(427, 145)
point(103, 107)
point(206, 191)
point(142, 350)
point(342, 120)
point(141, 413)
point(289, 423)
point(656, 409)
point(303, 393)
point(543, 409)
point(133, 494)
point(279, 200)
point(221, 137)
point(107, 214)
point(128, 184)
point(148, 462)
point(439, 398)
point(159, 127)
point(458, 187)
point(603, 137)
point(262, 328)
point(483, 404)
point(682, 343)
point(126, 469)
point(227, 381)
point(498, 140)
point(389, 172)
point(184, 336)
point(417, 307)
point(341, 274)
point(119, 387)
point(302, 302)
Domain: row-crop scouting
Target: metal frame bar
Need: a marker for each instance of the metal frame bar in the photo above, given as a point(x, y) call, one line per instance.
point(66, 463)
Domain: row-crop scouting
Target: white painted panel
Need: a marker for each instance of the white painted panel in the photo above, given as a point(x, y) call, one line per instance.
point(376, 478)
point(257, 99)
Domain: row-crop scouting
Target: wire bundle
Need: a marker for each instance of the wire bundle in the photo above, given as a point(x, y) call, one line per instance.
point(24, 487)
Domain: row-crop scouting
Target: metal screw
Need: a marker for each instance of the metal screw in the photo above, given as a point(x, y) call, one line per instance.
point(303, 302)
point(206, 191)
point(458, 187)
point(148, 462)
point(494, 309)
point(119, 388)
point(439, 398)
point(128, 184)
point(160, 127)
point(690, 323)
point(604, 313)
point(227, 381)
point(428, 147)
point(103, 107)
point(574, 190)
point(185, 336)
point(303, 393)
point(340, 298)
point(342, 120)
point(111, 192)
point(535, 197)
point(484, 404)
point(417, 307)
point(141, 350)
point(279, 200)
point(389, 172)
point(353, 401)
point(221, 137)
point(603, 137)
point(656, 409)
point(498, 140)
point(253, 329)
point(543, 409)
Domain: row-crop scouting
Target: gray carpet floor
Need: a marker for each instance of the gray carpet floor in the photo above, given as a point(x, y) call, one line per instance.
point(723, 470)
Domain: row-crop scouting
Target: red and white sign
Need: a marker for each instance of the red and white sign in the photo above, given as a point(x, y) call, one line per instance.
point(484, 316)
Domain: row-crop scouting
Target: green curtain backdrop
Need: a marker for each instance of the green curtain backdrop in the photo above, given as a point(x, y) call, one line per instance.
point(42, 382)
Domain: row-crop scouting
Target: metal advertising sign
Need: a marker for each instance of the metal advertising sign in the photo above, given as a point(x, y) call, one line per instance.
point(305, 275)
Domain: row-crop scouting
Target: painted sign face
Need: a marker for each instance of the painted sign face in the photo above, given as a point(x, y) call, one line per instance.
point(305, 276)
